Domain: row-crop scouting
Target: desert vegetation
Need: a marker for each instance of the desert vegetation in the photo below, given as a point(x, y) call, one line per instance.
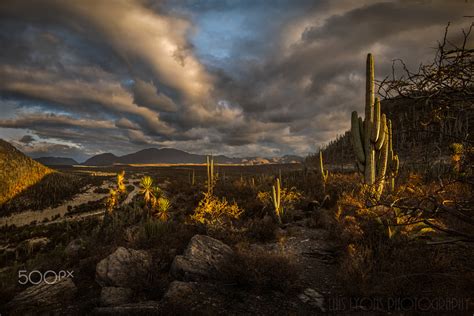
point(269, 239)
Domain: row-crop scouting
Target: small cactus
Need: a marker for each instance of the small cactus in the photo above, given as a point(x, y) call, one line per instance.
point(276, 199)
point(324, 173)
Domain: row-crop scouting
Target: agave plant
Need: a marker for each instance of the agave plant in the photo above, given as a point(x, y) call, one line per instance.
point(162, 206)
point(146, 188)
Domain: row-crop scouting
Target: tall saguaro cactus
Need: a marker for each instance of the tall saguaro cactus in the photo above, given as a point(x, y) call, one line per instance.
point(210, 175)
point(372, 139)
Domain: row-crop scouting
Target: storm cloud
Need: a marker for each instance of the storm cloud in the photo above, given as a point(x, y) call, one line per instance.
point(242, 78)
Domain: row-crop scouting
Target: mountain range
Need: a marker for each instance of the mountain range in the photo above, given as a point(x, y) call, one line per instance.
point(176, 156)
point(56, 161)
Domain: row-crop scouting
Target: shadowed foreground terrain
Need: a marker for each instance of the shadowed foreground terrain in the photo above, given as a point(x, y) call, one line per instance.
point(170, 246)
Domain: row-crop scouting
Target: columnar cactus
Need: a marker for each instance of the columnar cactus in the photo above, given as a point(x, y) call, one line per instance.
point(372, 139)
point(393, 161)
point(210, 175)
point(276, 199)
point(324, 173)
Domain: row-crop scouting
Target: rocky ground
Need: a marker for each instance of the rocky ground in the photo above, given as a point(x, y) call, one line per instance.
point(197, 281)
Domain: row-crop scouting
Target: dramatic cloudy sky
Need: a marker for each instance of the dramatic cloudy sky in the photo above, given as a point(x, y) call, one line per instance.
point(240, 78)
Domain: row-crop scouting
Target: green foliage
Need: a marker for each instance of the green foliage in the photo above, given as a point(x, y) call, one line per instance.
point(213, 211)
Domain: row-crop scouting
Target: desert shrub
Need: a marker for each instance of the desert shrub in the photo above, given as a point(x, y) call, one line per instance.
point(213, 211)
point(152, 231)
point(289, 200)
point(386, 248)
point(262, 230)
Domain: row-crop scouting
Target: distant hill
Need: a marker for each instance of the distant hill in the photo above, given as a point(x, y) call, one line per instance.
point(17, 171)
point(102, 160)
point(164, 155)
point(176, 156)
point(56, 161)
point(417, 143)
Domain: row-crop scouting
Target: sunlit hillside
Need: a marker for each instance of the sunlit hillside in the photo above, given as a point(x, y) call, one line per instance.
point(17, 171)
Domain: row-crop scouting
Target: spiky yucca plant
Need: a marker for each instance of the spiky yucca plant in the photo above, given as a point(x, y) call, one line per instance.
point(146, 188)
point(162, 207)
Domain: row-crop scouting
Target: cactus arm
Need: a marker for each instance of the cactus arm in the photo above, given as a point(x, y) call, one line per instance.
point(377, 122)
point(383, 132)
point(356, 138)
point(278, 192)
point(382, 163)
point(369, 121)
point(324, 173)
point(390, 144)
point(275, 205)
point(369, 89)
point(361, 130)
point(395, 164)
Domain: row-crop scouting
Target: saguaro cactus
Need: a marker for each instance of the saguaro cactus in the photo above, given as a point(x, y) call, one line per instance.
point(276, 199)
point(210, 175)
point(324, 173)
point(372, 139)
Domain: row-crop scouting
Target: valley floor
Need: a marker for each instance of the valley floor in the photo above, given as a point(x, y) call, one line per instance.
point(132, 259)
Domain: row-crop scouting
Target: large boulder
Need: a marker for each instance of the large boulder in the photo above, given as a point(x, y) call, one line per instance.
point(124, 268)
point(113, 296)
point(75, 248)
point(203, 259)
point(50, 296)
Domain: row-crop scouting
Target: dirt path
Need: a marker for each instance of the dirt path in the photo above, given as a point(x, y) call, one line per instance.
point(316, 255)
point(25, 218)
point(132, 194)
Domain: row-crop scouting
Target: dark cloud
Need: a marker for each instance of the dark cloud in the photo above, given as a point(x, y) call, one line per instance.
point(146, 94)
point(233, 77)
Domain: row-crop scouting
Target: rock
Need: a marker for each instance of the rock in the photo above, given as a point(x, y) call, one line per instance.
point(35, 244)
point(74, 248)
point(313, 298)
point(124, 268)
point(44, 297)
point(113, 296)
point(202, 259)
point(199, 298)
point(142, 308)
point(179, 292)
